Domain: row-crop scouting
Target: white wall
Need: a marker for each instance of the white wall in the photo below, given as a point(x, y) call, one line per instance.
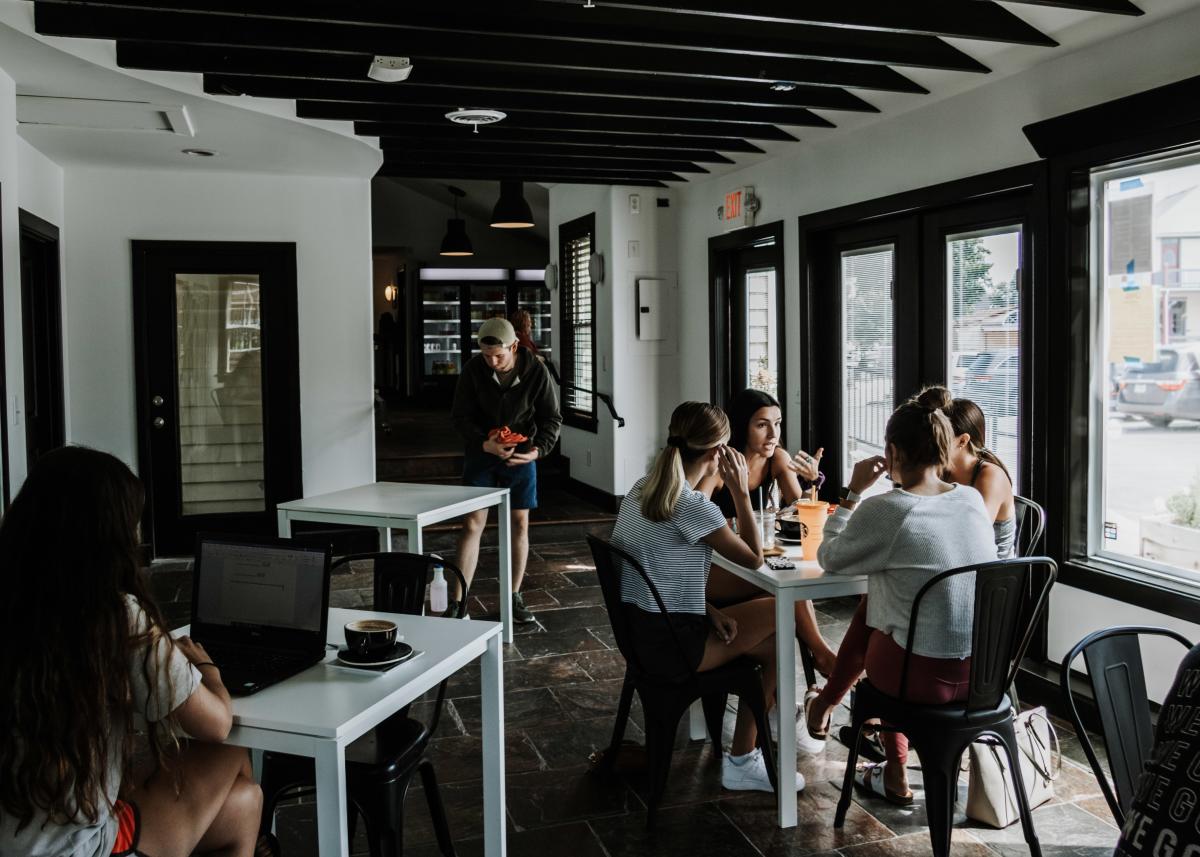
point(329, 221)
point(40, 187)
point(10, 275)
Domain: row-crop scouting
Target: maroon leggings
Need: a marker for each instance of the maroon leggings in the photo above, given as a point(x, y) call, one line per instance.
point(931, 681)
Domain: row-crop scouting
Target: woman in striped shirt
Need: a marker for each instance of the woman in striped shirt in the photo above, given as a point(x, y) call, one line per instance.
point(671, 530)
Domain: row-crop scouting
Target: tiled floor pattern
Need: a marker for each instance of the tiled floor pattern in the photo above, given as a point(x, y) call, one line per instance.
point(562, 679)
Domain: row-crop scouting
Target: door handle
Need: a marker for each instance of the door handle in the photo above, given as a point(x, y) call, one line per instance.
point(157, 401)
point(159, 422)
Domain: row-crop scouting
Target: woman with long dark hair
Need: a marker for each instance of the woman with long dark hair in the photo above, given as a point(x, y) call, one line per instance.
point(755, 425)
point(671, 529)
point(88, 663)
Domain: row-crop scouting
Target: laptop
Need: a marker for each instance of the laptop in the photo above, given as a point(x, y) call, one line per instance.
point(260, 608)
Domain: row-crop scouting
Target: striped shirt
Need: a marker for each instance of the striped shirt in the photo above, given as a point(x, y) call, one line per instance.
point(671, 551)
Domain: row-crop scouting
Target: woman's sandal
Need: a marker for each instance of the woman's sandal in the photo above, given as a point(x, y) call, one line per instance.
point(822, 733)
point(870, 779)
point(869, 747)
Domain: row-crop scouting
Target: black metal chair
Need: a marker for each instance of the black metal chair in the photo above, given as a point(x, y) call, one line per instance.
point(941, 733)
point(1118, 684)
point(381, 764)
point(1031, 523)
point(664, 702)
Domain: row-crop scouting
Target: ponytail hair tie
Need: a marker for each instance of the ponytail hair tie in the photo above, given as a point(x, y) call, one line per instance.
point(676, 441)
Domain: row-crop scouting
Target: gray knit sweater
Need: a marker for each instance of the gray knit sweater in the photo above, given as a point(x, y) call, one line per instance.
point(903, 540)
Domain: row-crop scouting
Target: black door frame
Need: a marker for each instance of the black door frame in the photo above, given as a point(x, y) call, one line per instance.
point(727, 255)
point(153, 261)
point(41, 321)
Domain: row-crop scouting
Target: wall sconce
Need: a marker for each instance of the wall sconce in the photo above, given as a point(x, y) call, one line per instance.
point(390, 292)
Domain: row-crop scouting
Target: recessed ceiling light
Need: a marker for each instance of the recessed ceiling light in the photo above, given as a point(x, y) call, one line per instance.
point(783, 86)
point(200, 153)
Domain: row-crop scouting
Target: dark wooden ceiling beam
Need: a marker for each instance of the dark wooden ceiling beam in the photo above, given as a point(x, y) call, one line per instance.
point(364, 97)
point(104, 22)
point(545, 121)
point(443, 132)
point(526, 173)
point(606, 24)
point(439, 74)
point(1112, 7)
point(980, 19)
point(543, 164)
point(546, 178)
point(492, 146)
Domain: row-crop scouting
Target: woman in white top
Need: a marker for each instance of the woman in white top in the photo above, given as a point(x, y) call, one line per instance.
point(89, 665)
point(903, 539)
point(671, 530)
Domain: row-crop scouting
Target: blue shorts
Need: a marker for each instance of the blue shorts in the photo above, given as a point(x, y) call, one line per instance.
point(484, 470)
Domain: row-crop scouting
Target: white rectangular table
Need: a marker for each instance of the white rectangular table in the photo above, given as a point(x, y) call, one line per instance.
point(409, 506)
point(318, 712)
point(806, 582)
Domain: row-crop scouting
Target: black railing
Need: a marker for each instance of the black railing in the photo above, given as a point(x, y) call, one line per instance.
point(604, 397)
point(868, 403)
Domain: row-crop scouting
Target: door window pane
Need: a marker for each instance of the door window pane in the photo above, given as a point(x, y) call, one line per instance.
point(219, 373)
point(1146, 376)
point(983, 276)
point(762, 331)
point(868, 385)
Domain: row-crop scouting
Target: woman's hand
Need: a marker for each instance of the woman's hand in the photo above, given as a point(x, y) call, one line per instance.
point(731, 465)
point(807, 467)
point(725, 626)
point(866, 473)
point(192, 650)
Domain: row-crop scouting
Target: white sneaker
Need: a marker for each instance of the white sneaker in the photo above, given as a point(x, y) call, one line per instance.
point(751, 774)
point(805, 742)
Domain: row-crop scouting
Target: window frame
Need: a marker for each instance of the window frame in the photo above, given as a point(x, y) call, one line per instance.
point(569, 232)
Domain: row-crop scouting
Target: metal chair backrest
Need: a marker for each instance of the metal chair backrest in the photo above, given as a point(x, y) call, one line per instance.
point(399, 582)
point(609, 574)
point(1118, 682)
point(1031, 523)
point(1000, 634)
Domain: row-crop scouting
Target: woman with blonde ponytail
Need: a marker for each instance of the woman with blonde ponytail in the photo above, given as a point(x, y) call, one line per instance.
point(672, 530)
point(972, 463)
point(902, 539)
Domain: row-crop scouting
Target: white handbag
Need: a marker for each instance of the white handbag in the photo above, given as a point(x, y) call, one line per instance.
point(991, 795)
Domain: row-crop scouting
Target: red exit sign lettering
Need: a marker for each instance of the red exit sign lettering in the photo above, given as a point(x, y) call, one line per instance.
point(738, 208)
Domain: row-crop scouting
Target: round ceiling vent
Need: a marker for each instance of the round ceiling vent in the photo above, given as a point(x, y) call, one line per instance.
point(475, 116)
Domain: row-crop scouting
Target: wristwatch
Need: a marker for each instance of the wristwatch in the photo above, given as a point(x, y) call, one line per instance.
point(847, 496)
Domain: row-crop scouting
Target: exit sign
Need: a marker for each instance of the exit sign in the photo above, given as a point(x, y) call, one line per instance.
point(737, 211)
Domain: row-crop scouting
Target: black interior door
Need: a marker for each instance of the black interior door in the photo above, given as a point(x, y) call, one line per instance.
point(41, 322)
point(218, 387)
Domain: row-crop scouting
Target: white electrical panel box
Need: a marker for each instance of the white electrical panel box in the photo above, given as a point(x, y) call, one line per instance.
point(651, 322)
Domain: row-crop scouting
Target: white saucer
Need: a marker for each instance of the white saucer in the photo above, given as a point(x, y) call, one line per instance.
point(786, 540)
point(398, 653)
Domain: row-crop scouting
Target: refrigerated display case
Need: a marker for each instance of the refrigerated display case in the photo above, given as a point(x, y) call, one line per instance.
point(454, 302)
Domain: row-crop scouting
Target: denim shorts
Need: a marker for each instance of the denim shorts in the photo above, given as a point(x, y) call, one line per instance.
point(483, 470)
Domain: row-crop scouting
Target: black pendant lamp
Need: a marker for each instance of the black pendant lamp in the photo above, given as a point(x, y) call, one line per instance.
point(511, 211)
point(456, 242)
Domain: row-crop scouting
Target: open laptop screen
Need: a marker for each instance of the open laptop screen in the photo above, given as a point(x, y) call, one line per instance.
point(250, 585)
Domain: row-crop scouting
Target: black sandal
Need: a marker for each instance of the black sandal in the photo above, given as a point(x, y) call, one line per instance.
point(870, 747)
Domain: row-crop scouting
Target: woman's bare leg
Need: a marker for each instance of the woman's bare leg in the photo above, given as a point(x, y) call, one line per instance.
point(756, 638)
point(215, 812)
point(725, 588)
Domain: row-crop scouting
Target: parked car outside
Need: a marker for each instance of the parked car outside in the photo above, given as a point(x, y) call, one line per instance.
point(1164, 390)
point(993, 380)
point(958, 371)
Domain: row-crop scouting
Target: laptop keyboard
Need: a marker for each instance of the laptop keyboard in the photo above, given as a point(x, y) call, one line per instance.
point(253, 661)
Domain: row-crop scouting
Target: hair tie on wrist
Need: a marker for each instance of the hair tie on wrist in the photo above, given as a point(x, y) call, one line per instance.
point(205, 664)
point(676, 441)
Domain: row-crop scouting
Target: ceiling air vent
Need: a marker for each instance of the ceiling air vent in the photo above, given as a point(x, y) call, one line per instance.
point(475, 116)
point(103, 114)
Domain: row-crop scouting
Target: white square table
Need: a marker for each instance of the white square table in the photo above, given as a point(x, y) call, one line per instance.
point(409, 506)
point(806, 582)
point(317, 712)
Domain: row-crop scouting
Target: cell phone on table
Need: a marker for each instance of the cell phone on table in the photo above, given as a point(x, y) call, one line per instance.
point(779, 563)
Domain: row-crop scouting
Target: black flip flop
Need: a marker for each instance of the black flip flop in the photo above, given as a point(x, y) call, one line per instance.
point(870, 747)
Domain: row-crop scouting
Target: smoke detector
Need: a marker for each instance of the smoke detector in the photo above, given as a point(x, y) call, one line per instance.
point(390, 69)
point(475, 116)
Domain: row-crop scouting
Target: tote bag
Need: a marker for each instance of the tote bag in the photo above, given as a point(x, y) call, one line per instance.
point(991, 795)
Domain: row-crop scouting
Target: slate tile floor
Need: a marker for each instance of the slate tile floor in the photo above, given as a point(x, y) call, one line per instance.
point(562, 679)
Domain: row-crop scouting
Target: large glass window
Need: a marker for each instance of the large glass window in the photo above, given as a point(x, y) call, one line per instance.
point(868, 379)
point(578, 322)
point(1145, 490)
point(983, 279)
point(762, 331)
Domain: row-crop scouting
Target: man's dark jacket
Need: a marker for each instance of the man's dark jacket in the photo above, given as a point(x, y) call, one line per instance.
point(528, 405)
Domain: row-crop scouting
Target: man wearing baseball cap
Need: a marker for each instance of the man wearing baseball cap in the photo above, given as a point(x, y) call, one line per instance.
point(504, 385)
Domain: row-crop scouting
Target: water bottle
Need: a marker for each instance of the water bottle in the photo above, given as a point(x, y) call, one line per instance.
point(437, 591)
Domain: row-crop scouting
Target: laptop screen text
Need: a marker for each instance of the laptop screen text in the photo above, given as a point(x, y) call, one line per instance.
point(255, 585)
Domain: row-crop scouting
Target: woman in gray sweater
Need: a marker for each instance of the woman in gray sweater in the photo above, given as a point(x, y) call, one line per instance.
point(903, 539)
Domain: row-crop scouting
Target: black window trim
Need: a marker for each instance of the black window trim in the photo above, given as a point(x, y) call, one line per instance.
point(568, 232)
